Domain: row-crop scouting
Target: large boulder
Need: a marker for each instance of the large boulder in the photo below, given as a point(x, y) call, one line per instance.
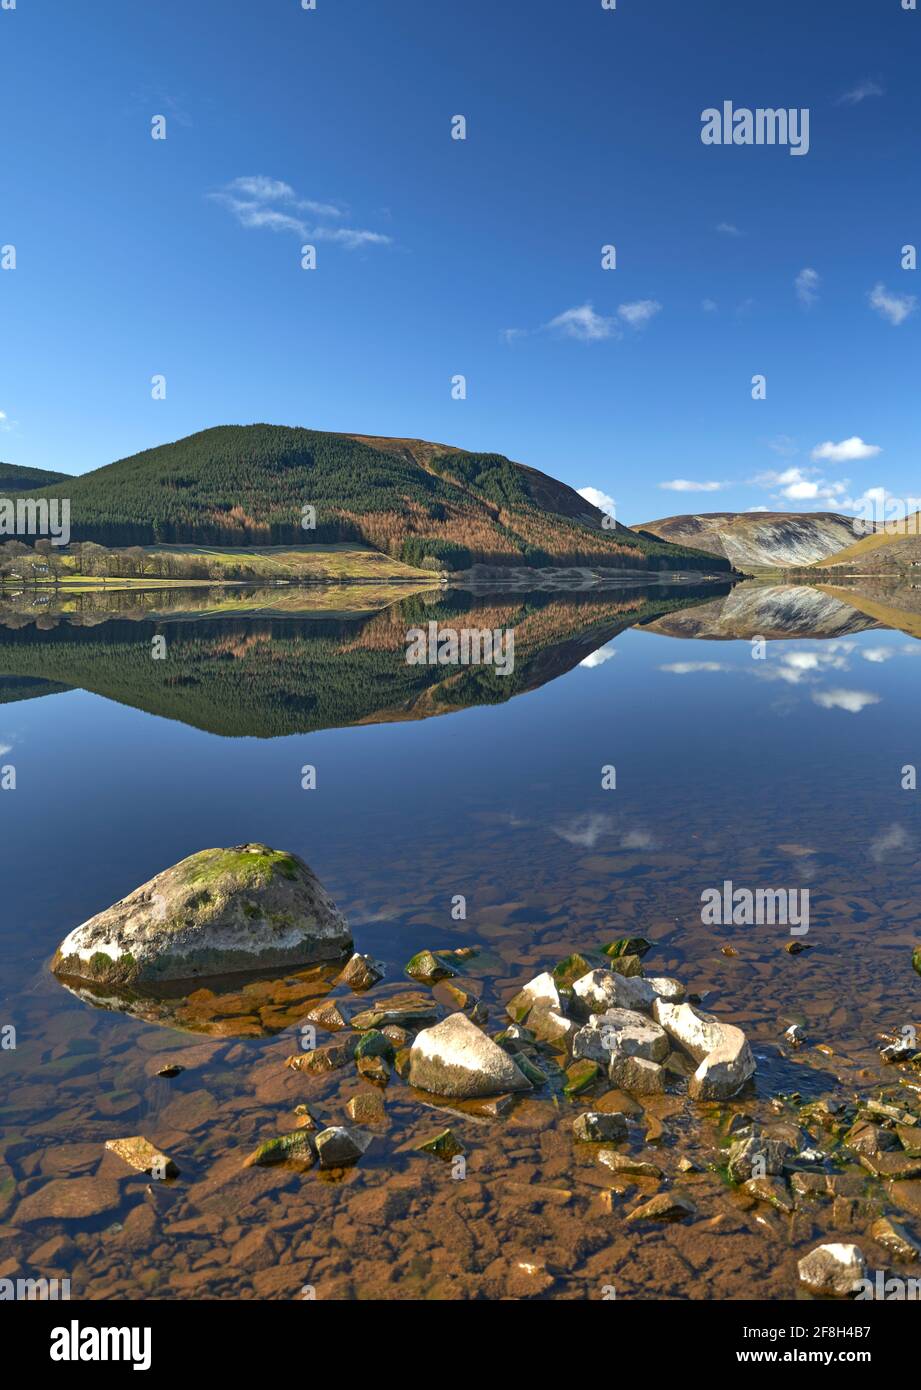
point(219, 912)
point(456, 1058)
point(725, 1059)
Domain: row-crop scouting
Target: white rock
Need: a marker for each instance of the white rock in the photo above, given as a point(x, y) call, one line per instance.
point(620, 1033)
point(833, 1269)
point(456, 1058)
point(605, 989)
point(541, 990)
point(722, 1051)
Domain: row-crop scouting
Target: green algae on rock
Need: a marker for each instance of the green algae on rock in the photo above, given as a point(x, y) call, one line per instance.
point(219, 912)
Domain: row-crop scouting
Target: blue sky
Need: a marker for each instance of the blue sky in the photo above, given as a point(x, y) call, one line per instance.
point(481, 257)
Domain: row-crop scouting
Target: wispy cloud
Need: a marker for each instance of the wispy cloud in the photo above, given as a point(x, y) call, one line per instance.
point(257, 201)
point(852, 450)
point(866, 88)
point(728, 229)
point(807, 287)
point(690, 668)
point(709, 306)
point(689, 485)
point(890, 305)
point(583, 323)
point(885, 841)
point(639, 312)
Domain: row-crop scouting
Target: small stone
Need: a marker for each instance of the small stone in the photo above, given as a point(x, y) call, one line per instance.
point(170, 1070)
point(360, 973)
point(626, 1166)
point(304, 1118)
point(897, 1052)
point(665, 1206)
point(687, 1165)
point(897, 1167)
point(795, 947)
point(637, 1075)
point(916, 959)
point(627, 946)
point(773, 1191)
point(756, 1153)
point(445, 1146)
point(406, 1010)
point(580, 1077)
point(320, 1060)
point(865, 1137)
point(374, 1069)
point(550, 1025)
point(374, 1043)
point(296, 1147)
point(833, 1270)
point(795, 1035)
point(328, 1015)
point(141, 1155)
point(895, 1239)
point(541, 990)
point(338, 1147)
point(600, 1127)
point(428, 968)
point(809, 1184)
point(367, 1108)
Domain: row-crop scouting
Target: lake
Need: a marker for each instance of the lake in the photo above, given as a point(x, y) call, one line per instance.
point(756, 735)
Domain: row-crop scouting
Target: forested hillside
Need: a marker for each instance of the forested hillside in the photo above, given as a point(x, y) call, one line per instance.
point(418, 502)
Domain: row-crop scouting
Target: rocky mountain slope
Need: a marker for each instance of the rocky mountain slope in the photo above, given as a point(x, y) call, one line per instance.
point(758, 540)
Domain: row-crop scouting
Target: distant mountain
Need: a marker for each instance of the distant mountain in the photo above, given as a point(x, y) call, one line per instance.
point(416, 501)
point(13, 478)
point(772, 611)
point(758, 540)
point(894, 547)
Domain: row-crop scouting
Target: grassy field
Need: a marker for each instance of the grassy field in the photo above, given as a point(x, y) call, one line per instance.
point(336, 563)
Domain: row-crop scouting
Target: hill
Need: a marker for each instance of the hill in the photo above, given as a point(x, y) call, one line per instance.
point(13, 478)
point(895, 546)
point(418, 502)
point(758, 540)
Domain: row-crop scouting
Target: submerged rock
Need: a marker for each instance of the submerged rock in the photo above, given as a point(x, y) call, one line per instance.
point(405, 1010)
point(455, 1058)
point(600, 1127)
point(428, 968)
point(916, 959)
point(833, 1269)
point(297, 1147)
point(219, 912)
point(360, 973)
point(445, 1146)
point(665, 1206)
point(338, 1147)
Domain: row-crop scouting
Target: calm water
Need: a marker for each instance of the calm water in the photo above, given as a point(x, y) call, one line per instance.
point(782, 772)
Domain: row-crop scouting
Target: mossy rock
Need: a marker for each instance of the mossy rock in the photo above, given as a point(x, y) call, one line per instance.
point(428, 968)
point(445, 1146)
point(297, 1147)
point(916, 959)
point(219, 912)
point(627, 946)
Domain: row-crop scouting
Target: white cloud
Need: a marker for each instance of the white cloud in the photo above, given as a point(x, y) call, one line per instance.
point(852, 450)
point(893, 837)
point(599, 499)
point(599, 657)
point(784, 445)
point(639, 312)
point(688, 668)
point(254, 200)
point(637, 839)
point(728, 229)
point(688, 485)
point(584, 831)
point(709, 306)
point(851, 700)
point(894, 307)
point(877, 654)
point(583, 323)
point(863, 89)
point(807, 286)
point(511, 335)
point(5, 748)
